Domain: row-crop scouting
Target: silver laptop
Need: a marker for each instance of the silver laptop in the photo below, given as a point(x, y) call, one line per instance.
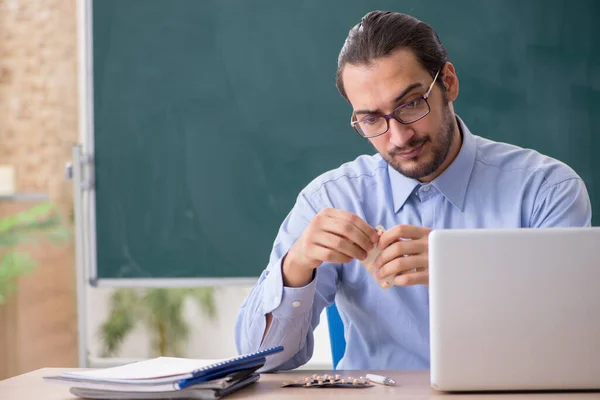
point(515, 309)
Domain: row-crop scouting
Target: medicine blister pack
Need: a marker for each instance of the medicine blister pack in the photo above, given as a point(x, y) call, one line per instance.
point(368, 263)
point(328, 381)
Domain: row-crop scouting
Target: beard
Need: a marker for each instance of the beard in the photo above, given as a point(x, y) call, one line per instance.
point(421, 167)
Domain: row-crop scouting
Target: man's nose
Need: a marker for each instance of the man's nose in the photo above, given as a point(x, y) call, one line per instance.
point(400, 134)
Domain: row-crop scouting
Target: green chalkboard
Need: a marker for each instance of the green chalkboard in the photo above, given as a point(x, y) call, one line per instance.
point(211, 115)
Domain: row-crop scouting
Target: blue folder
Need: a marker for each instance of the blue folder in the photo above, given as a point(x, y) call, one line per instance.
point(221, 373)
point(224, 368)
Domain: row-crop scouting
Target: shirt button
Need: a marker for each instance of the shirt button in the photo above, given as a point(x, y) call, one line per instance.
point(426, 188)
point(296, 304)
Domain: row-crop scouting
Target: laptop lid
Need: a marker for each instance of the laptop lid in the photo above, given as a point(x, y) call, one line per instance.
point(515, 309)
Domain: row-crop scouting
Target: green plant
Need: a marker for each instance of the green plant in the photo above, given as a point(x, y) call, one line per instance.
point(25, 228)
point(160, 310)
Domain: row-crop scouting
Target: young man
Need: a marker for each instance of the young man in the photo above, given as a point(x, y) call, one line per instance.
point(430, 172)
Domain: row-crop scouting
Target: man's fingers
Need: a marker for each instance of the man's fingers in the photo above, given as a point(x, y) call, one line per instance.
point(421, 277)
point(401, 231)
point(403, 264)
point(358, 222)
point(351, 232)
point(329, 255)
point(399, 249)
point(340, 244)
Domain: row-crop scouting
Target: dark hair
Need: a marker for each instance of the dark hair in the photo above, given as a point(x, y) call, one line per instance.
point(380, 33)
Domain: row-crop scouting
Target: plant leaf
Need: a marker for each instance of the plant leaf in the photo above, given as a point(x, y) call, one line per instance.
point(124, 313)
point(205, 300)
point(12, 266)
point(162, 312)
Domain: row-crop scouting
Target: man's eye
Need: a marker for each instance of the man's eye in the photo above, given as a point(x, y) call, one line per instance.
point(412, 104)
point(370, 121)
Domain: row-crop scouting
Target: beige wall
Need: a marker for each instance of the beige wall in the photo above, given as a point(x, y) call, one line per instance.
point(38, 126)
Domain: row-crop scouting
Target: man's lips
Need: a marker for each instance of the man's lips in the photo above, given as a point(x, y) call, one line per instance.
point(411, 152)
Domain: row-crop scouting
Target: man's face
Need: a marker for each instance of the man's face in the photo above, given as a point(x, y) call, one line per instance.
point(417, 150)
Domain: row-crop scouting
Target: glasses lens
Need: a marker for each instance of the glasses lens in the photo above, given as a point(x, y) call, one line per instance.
point(413, 110)
point(372, 126)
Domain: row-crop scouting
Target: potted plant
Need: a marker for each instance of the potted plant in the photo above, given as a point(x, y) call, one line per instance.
point(160, 310)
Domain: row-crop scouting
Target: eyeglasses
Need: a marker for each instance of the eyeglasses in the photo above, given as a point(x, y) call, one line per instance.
point(407, 113)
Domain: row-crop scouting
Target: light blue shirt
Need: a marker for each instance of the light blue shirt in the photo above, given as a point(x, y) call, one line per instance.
point(488, 185)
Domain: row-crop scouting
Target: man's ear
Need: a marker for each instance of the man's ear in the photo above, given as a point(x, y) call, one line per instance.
point(450, 81)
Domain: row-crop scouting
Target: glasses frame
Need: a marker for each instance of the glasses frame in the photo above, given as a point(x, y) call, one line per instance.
point(354, 122)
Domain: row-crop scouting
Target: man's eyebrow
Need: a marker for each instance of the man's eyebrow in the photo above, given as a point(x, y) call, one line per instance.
point(396, 100)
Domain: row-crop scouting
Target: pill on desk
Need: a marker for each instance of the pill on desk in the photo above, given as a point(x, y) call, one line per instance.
point(355, 382)
point(337, 377)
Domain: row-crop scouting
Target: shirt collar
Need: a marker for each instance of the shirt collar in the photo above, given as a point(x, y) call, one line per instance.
point(452, 183)
point(402, 187)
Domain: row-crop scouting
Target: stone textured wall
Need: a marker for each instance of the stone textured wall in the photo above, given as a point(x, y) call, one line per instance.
point(38, 92)
point(38, 126)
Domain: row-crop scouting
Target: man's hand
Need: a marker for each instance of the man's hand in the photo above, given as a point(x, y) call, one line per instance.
point(404, 255)
point(333, 235)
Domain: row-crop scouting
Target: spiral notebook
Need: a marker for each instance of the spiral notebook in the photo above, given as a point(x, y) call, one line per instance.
point(204, 382)
point(189, 393)
point(169, 373)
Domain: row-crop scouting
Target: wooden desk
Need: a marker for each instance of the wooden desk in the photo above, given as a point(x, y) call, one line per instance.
point(413, 385)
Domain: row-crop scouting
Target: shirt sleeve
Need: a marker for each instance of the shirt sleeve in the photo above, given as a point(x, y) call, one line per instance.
point(564, 204)
point(295, 311)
